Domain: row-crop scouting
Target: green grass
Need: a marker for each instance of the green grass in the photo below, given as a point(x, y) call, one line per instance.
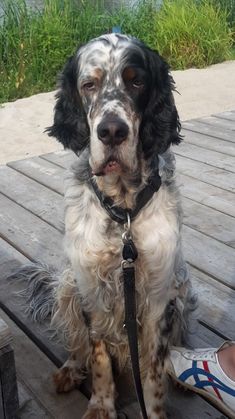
point(229, 7)
point(232, 54)
point(192, 34)
point(34, 45)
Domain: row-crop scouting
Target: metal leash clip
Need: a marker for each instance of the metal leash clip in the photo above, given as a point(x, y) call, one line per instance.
point(127, 226)
point(129, 252)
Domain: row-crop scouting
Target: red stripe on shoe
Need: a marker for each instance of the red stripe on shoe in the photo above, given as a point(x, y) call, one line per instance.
point(206, 368)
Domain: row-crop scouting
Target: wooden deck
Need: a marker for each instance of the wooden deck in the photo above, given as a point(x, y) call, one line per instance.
point(31, 228)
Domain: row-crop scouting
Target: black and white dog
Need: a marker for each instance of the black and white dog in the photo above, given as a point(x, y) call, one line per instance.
point(115, 110)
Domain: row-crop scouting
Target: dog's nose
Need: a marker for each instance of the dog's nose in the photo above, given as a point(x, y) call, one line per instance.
point(112, 132)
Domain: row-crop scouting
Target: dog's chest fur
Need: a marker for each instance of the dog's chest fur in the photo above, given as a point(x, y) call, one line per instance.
point(94, 246)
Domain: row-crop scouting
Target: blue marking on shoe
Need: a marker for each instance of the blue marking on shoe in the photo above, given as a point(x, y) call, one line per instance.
point(194, 371)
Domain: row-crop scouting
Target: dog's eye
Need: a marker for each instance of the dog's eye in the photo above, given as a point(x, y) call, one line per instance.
point(137, 83)
point(89, 85)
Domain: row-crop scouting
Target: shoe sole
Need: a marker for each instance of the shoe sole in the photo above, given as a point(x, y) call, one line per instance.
point(206, 395)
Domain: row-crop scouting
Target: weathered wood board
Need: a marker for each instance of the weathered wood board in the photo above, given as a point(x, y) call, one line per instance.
point(45, 203)
point(36, 240)
point(227, 115)
point(61, 158)
point(209, 255)
point(217, 122)
point(37, 396)
point(209, 174)
point(209, 221)
point(210, 157)
point(41, 170)
point(8, 386)
point(206, 142)
point(212, 130)
point(208, 195)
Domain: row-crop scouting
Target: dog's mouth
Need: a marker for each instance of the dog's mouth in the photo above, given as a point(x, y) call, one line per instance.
point(112, 165)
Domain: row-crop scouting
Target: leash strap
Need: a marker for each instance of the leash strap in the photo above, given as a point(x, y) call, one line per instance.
point(130, 254)
point(131, 328)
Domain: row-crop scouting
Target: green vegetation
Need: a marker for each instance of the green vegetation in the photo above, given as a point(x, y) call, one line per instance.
point(229, 7)
point(34, 44)
point(192, 34)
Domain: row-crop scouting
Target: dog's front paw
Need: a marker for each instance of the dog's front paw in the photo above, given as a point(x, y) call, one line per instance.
point(66, 379)
point(95, 412)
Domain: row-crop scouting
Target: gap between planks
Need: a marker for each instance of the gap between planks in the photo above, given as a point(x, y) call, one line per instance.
point(207, 156)
point(18, 170)
point(210, 175)
point(213, 121)
point(227, 115)
point(207, 143)
point(210, 130)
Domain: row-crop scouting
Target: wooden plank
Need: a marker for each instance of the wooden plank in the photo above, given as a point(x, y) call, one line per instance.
point(203, 337)
point(13, 304)
point(188, 406)
point(1, 404)
point(5, 334)
point(48, 204)
point(208, 174)
point(62, 158)
point(29, 405)
point(212, 131)
point(8, 386)
point(209, 221)
point(216, 303)
point(36, 239)
point(23, 346)
point(209, 255)
point(210, 157)
point(217, 122)
point(40, 334)
point(9, 402)
point(210, 143)
point(206, 194)
point(228, 115)
point(37, 374)
point(180, 404)
point(42, 171)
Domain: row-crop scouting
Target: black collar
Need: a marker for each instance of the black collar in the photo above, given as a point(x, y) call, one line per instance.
point(119, 214)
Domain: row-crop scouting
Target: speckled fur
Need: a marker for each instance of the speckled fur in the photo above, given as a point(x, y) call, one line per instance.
point(95, 83)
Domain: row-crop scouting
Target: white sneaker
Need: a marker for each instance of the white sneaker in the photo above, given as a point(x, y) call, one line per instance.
point(199, 370)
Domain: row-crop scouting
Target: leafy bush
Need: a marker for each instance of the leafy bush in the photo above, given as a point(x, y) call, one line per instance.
point(190, 33)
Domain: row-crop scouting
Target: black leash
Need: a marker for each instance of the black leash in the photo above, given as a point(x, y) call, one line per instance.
point(130, 254)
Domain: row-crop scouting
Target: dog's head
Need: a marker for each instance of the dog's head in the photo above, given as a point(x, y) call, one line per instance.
point(116, 98)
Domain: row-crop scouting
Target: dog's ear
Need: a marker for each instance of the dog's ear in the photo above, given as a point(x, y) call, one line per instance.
point(70, 125)
point(160, 126)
